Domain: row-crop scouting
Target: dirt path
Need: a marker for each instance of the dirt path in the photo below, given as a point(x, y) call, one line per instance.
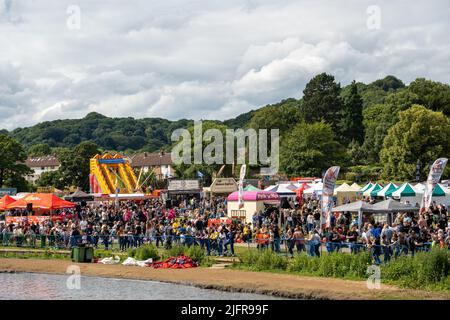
point(290, 286)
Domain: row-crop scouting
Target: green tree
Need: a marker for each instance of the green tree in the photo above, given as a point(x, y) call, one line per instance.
point(389, 83)
point(433, 95)
point(420, 134)
point(322, 100)
point(208, 170)
point(351, 126)
point(12, 160)
point(51, 179)
point(380, 117)
point(309, 149)
point(75, 168)
point(283, 116)
point(38, 150)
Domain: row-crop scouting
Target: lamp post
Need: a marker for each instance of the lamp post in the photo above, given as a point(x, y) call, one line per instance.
point(418, 170)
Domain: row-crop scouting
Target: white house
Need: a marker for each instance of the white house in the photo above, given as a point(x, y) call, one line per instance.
point(39, 165)
point(159, 162)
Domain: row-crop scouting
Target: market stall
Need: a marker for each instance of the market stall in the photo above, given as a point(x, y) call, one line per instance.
point(358, 206)
point(386, 191)
point(79, 196)
point(374, 188)
point(283, 190)
point(406, 193)
point(314, 190)
point(344, 194)
point(42, 205)
point(5, 201)
point(254, 201)
point(441, 195)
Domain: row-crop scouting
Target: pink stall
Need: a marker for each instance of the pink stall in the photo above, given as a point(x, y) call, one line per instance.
point(253, 201)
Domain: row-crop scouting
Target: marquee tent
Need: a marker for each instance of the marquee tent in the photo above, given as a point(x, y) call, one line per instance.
point(358, 206)
point(345, 193)
point(391, 205)
point(405, 190)
point(367, 186)
point(407, 193)
point(6, 200)
point(314, 188)
point(355, 186)
point(283, 190)
point(47, 201)
point(375, 187)
point(79, 196)
point(441, 191)
point(386, 191)
point(251, 187)
point(441, 195)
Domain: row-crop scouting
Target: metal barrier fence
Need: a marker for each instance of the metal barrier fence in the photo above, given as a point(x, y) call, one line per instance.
point(216, 246)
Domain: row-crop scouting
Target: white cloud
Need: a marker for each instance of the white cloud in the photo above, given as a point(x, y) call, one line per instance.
point(203, 59)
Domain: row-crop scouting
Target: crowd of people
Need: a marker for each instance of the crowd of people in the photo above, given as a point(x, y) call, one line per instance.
point(197, 222)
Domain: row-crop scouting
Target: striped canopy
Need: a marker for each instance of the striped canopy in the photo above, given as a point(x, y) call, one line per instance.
point(374, 188)
point(405, 190)
point(440, 191)
point(386, 191)
point(367, 186)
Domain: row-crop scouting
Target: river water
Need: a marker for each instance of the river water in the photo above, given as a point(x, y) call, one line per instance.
point(19, 286)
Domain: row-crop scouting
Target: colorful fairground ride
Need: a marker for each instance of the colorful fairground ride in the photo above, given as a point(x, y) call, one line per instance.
point(112, 174)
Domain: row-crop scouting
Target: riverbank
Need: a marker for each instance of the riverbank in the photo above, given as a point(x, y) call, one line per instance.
point(282, 285)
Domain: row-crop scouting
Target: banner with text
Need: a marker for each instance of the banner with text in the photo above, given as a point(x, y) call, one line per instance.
point(329, 181)
point(434, 176)
point(241, 186)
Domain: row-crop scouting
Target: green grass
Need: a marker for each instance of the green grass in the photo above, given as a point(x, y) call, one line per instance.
point(426, 270)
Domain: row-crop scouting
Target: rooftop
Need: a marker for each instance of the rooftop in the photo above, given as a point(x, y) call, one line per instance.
point(150, 159)
point(44, 161)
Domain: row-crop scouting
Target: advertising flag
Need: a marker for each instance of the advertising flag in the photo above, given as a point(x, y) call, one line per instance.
point(241, 186)
point(434, 176)
point(329, 181)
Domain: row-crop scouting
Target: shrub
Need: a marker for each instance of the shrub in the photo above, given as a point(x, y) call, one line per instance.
point(268, 260)
point(249, 257)
point(146, 252)
point(131, 252)
point(359, 264)
point(176, 250)
point(196, 253)
point(424, 270)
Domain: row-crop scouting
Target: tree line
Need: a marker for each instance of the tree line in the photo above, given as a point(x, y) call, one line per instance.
point(374, 131)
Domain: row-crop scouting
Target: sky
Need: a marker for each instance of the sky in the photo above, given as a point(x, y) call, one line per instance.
point(203, 59)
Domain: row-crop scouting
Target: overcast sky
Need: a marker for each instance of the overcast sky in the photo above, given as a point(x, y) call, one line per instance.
point(203, 59)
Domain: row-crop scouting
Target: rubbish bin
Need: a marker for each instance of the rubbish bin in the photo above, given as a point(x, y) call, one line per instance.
point(78, 254)
point(88, 254)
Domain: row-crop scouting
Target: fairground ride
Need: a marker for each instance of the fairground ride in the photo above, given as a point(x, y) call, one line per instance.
point(111, 174)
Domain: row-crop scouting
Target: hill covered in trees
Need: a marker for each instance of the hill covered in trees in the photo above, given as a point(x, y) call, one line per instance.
point(356, 126)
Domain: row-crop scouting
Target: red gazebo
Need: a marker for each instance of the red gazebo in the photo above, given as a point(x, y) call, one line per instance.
point(45, 201)
point(5, 201)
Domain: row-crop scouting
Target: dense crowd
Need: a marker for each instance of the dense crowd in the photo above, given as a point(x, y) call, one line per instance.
point(197, 222)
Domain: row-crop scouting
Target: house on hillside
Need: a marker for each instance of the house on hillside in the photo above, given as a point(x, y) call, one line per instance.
point(39, 165)
point(159, 162)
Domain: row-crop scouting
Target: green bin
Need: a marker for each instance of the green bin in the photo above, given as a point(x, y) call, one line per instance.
point(88, 254)
point(78, 254)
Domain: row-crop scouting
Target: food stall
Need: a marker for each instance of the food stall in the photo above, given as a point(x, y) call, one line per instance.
point(253, 201)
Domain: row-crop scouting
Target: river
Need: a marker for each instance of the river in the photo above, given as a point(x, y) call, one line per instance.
point(20, 286)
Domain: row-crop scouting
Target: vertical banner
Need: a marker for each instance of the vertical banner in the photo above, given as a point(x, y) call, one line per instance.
point(241, 186)
point(329, 181)
point(434, 176)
